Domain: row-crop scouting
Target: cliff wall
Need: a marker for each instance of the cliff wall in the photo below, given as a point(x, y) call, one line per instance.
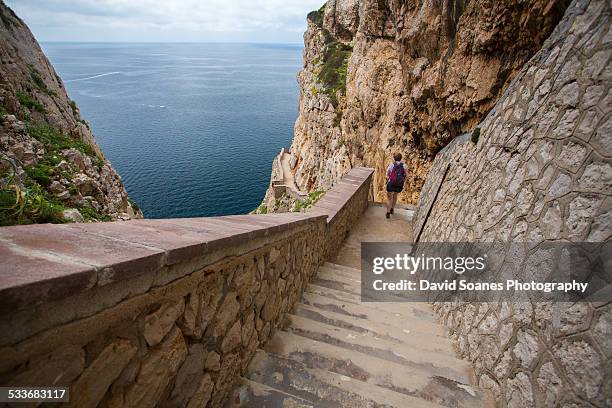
point(49, 160)
point(382, 76)
point(540, 172)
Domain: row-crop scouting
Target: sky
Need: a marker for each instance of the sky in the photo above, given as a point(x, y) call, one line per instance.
point(275, 21)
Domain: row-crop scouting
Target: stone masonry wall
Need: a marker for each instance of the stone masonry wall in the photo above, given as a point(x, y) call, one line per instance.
point(344, 209)
point(540, 172)
point(173, 310)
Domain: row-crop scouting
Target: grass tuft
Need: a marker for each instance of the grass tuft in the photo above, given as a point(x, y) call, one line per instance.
point(313, 197)
point(29, 102)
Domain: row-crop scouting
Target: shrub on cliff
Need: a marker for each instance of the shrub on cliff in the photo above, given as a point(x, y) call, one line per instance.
point(29, 102)
point(303, 205)
point(333, 70)
point(316, 17)
point(26, 204)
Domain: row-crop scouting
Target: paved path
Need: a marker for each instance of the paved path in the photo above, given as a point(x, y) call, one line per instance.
point(335, 351)
point(288, 178)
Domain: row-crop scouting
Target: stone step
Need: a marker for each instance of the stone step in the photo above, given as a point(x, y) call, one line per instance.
point(404, 354)
point(373, 370)
point(251, 394)
point(324, 388)
point(419, 310)
point(340, 280)
point(334, 280)
point(415, 339)
point(350, 273)
point(347, 270)
point(343, 268)
point(404, 321)
point(338, 295)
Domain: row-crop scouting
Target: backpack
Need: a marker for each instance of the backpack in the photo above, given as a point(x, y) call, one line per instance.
point(398, 175)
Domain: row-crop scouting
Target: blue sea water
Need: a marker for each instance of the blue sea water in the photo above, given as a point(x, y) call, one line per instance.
point(191, 128)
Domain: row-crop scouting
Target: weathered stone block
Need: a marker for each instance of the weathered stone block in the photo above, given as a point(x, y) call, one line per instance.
point(159, 323)
point(602, 330)
point(232, 338)
point(550, 385)
point(189, 377)
point(213, 361)
point(157, 372)
point(202, 394)
point(188, 323)
point(583, 367)
point(93, 384)
point(62, 366)
point(227, 315)
point(526, 349)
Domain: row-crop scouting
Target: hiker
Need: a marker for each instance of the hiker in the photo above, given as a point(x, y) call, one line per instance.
point(396, 177)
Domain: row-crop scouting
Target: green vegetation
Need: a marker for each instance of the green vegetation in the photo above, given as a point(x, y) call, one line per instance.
point(316, 17)
point(39, 83)
point(313, 197)
point(41, 173)
point(332, 73)
point(476, 135)
point(73, 106)
point(83, 121)
point(44, 170)
point(7, 20)
point(56, 141)
point(29, 102)
point(91, 214)
point(2, 110)
point(262, 209)
point(390, 142)
point(134, 205)
point(28, 204)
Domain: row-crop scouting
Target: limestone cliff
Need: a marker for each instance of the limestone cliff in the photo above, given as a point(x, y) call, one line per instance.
point(50, 164)
point(382, 76)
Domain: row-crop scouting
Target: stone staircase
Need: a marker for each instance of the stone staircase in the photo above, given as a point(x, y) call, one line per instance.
point(335, 351)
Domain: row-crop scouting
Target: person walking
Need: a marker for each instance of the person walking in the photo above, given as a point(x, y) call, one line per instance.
point(396, 177)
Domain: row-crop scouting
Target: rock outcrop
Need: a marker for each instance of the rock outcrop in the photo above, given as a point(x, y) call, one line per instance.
point(407, 76)
point(50, 164)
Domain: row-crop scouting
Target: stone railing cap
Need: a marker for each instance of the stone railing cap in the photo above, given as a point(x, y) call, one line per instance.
point(340, 194)
point(45, 261)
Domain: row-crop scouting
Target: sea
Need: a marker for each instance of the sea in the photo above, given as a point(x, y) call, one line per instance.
point(191, 128)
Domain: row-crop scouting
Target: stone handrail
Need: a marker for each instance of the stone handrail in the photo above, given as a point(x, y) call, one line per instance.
point(158, 312)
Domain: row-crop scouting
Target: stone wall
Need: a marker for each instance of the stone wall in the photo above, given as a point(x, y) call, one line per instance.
point(344, 204)
point(157, 312)
point(541, 171)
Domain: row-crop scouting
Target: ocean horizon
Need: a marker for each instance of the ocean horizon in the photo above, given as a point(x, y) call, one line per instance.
point(192, 128)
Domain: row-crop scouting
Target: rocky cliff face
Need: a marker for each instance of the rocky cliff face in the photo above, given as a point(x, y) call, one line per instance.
point(50, 164)
point(382, 76)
